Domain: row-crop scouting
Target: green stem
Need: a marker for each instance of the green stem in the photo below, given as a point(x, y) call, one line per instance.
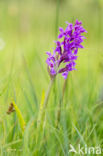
point(60, 103)
point(40, 123)
point(42, 115)
point(48, 93)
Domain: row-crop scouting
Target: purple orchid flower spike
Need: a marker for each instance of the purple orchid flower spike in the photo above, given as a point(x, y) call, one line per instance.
point(66, 51)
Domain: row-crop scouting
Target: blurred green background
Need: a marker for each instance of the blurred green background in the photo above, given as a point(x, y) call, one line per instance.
point(28, 28)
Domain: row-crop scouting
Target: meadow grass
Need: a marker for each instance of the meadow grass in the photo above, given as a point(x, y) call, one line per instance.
point(28, 29)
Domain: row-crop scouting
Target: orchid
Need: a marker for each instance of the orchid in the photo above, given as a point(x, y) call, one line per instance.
point(66, 51)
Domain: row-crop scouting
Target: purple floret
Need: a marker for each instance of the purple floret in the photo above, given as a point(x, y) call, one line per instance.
point(69, 41)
